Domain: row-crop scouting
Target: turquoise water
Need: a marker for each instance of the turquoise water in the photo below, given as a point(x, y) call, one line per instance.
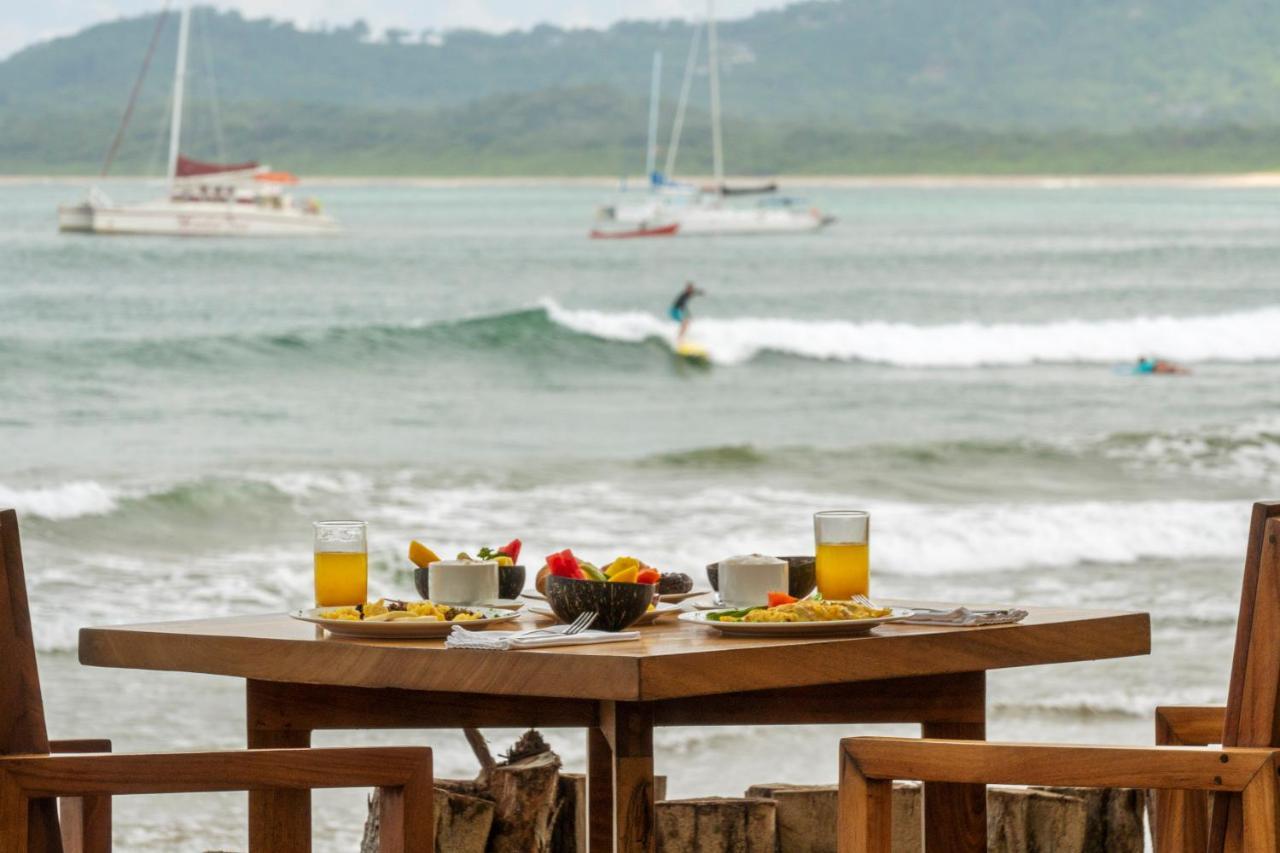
point(464, 366)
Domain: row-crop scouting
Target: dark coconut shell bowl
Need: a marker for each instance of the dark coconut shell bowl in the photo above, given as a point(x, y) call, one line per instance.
point(510, 582)
point(802, 578)
point(616, 604)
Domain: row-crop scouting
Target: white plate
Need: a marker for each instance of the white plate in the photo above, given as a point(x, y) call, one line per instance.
point(795, 629)
point(533, 595)
point(681, 596)
point(403, 628)
point(660, 611)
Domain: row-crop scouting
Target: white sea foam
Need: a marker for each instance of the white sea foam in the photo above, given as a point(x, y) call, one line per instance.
point(1237, 337)
point(64, 501)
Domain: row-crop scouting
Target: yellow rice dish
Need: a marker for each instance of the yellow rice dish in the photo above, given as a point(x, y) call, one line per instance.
point(389, 610)
point(810, 611)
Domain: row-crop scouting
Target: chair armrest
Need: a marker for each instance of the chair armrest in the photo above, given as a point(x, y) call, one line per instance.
point(80, 745)
point(976, 762)
point(1190, 725)
point(245, 770)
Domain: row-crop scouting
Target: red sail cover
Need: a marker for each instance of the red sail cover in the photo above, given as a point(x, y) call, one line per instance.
point(188, 168)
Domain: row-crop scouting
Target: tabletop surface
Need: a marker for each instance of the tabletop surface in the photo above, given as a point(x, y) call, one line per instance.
point(671, 660)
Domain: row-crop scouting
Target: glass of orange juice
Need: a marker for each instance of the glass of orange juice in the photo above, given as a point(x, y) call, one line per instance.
point(342, 563)
point(843, 539)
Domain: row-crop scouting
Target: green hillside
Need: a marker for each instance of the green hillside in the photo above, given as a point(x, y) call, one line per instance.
point(861, 86)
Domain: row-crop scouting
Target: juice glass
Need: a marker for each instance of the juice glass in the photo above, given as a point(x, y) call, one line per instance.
point(843, 560)
point(342, 563)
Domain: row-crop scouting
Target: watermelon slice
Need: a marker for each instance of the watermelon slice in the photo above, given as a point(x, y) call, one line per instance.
point(565, 565)
point(512, 550)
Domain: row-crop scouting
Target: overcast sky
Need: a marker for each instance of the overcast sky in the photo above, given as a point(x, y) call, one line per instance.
point(23, 22)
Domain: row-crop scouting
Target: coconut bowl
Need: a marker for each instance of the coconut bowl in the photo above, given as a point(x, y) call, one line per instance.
point(801, 576)
point(617, 605)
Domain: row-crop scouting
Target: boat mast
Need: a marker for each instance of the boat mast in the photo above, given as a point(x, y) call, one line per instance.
point(655, 84)
point(690, 65)
point(179, 83)
point(713, 61)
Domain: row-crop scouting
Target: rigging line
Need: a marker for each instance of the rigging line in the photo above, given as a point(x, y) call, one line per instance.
point(133, 95)
point(219, 140)
point(690, 65)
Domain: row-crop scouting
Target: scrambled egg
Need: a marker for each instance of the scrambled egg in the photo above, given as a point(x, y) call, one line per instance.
point(811, 611)
point(384, 610)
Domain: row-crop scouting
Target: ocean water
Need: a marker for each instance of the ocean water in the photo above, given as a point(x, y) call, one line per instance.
point(464, 366)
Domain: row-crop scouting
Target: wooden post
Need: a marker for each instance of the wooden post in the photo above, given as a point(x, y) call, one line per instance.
point(599, 791)
point(955, 815)
point(279, 821)
point(628, 726)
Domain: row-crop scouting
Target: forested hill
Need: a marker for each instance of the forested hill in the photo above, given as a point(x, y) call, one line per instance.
point(858, 85)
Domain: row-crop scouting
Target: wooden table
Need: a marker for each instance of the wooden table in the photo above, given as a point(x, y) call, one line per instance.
point(676, 675)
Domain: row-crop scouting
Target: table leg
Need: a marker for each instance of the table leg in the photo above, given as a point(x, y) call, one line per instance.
point(599, 792)
point(628, 726)
point(279, 821)
point(955, 816)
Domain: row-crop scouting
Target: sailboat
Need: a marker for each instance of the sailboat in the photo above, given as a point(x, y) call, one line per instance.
point(204, 199)
point(672, 208)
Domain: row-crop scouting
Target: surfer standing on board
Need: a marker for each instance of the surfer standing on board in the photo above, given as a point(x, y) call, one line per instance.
point(680, 308)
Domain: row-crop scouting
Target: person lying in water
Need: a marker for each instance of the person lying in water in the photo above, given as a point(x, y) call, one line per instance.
point(679, 310)
point(1147, 364)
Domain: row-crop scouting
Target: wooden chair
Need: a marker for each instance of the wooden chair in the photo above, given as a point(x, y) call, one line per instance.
point(1240, 778)
point(33, 780)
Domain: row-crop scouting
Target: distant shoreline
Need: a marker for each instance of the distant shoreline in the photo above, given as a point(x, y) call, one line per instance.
point(1246, 180)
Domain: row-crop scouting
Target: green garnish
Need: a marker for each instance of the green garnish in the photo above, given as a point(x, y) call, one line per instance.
point(717, 615)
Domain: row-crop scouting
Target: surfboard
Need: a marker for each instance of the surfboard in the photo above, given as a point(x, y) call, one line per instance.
point(692, 351)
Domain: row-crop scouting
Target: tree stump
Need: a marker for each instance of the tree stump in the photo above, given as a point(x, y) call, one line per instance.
point(806, 821)
point(526, 799)
point(1026, 820)
point(717, 825)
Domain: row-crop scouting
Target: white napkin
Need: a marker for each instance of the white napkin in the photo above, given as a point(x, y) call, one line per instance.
point(461, 638)
point(964, 617)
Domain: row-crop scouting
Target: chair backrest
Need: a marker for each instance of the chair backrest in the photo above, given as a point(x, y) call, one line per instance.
point(22, 728)
point(1253, 699)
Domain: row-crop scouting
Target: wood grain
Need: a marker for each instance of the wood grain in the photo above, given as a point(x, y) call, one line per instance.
point(1180, 819)
point(22, 724)
point(279, 820)
point(599, 791)
point(1227, 769)
point(864, 823)
point(670, 661)
point(628, 727)
point(955, 814)
point(1252, 714)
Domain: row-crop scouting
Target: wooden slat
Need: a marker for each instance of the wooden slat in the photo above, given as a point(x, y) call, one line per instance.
point(670, 661)
point(245, 770)
point(86, 824)
point(955, 814)
point(22, 724)
point(279, 820)
point(628, 727)
point(864, 823)
point(1253, 712)
point(1057, 765)
point(1261, 806)
point(958, 698)
point(1189, 725)
point(277, 705)
point(599, 792)
point(1180, 819)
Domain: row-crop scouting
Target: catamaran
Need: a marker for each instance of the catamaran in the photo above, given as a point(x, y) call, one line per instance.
point(204, 199)
point(674, 208)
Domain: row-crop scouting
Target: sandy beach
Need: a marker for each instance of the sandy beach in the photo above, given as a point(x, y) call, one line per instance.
point(1250, 180)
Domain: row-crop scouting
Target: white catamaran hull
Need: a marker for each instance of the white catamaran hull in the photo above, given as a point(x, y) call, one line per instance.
point(194, 219)
point(706, 221)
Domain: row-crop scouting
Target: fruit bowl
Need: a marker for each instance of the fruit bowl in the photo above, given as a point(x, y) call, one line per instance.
point(801, 577)
point(617, 605)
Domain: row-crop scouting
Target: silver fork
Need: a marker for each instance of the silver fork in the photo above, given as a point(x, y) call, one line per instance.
point(864, 601)
point(577, 626)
